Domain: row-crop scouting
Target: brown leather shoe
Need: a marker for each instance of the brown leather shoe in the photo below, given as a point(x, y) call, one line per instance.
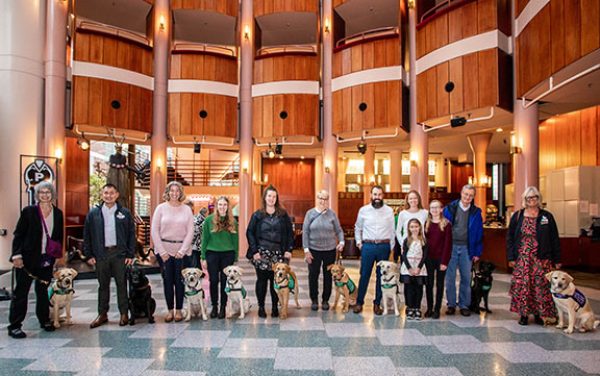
point(377, 309)
point(124, 320)
point(357, 308)
point(178, 316)
point(100, 320)
point(169, 317)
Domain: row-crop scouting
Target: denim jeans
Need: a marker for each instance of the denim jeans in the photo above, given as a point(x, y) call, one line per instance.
point(371, 254)
point(460, 258)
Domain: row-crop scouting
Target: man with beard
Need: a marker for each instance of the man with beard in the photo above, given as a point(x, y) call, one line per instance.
point(374, 234)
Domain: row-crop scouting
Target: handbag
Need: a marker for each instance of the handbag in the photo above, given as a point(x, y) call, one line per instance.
point(53, 248)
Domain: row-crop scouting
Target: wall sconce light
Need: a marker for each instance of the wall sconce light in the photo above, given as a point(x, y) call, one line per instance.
point(58, 154)
point(327, 167)
point(245, 167)
point(414, 157)
point(83, 143)
point(326, 25)
point(411, 4)
point(247, 32)
point(159, 164)
point(362, 147)
point(161, 22)
point(270, 152)
point(514, 147)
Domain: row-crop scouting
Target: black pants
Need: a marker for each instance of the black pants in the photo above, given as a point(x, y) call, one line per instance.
point(262, 278)
point(321, 260)
point(194, 260)
point(111, 267)
point(437, 276)
point(413, 294)
point(173, 281)
point(216, 262)
point(18, 304)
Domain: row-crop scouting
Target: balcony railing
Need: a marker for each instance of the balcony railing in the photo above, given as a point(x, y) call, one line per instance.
point(214, 173)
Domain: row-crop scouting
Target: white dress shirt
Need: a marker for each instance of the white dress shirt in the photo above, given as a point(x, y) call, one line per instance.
point(374, 224)
point(110, 231)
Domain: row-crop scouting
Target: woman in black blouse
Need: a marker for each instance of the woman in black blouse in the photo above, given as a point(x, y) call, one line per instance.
point(30, 259)
point(270, 240)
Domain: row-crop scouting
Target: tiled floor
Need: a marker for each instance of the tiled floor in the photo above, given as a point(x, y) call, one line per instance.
point(307, 343)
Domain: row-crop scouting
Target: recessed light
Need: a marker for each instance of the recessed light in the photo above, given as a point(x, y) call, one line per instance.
point(498, 130)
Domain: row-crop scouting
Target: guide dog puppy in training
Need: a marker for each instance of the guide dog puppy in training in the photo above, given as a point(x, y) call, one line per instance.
point(286, 283)
point(344, 286)
point(237, 300)
point(194, 294)
point(60, 294)
point(390, 286)
point(141, 302)
point(481, 284)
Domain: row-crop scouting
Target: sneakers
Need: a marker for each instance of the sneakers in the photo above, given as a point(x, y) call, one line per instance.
point(17, 333)
point(418, 315)
point(410, 314)
point(48, 326)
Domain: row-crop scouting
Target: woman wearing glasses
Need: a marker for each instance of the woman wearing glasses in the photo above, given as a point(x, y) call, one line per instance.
point(532, 246)
point(322, 237)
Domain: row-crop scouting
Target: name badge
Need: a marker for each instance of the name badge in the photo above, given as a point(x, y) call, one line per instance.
point(120, 216)
point(544, 220)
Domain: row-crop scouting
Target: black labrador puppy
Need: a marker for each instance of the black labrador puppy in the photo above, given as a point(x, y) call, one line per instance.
point(481, 284)
point(141, 302)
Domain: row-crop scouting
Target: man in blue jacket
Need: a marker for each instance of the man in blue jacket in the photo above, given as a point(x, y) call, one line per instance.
point(467, 244)
point(109, 244)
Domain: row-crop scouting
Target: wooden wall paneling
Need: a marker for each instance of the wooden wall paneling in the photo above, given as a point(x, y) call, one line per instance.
point(432, 111)
point(147, 62)
point(443, 98)
point(455, 25)
point(199, 125)
point(210, 122)
point(574, 139)
point(534, 45)
point(504, 16)
point(77, 169)
point(96, 49)
point(459, 175)
point(336, 69)
point(598, 135)
point(174, 113)
point(379, 53)
point(421, 42)
point(429, 30)
point(290, 124)
point(109, 52)
point(111, 117)
point(209, 68)
point(136, 59)
point(393, 105)
point(355, 113)
point(188, 65)
point(487, 15)
point(369, 99)
point(82, 47)
point(346, 61)
point(231, 118)
point(268, 115)
point(185, 123)
point(422, 97)
point(545, 151)
point(219, 115)
point(347, 109)
point(469, 12)
point(505, 80)
point(561, 132)
point(124, 55)
point(198, 70)
point(572, 32)
point(440, 31)
point(488, 77)
point(589, 130)
point(257, 116)
point(520, 5)
point(368, 56)
point(95, 101)
point(134, 115)
point(301, 114)
point(278, 122)
point(148, 106)
point(470, 84)
point(356, 57)
point(338, 126)
point(590, 25)
point(380, 99)
point(392, 52)
point(175, 66)
point(455, 74)
point(81, 89)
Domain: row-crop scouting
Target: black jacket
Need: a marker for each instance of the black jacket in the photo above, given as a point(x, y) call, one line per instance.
point(546, 234)
point(28, 234)
point(93, 233)
point(268, 230)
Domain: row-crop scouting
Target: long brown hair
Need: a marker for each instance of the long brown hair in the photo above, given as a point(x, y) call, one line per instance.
point(443, 220)
point(226, 223)
point(279, 209)
point(409, 235)
point(419, 201)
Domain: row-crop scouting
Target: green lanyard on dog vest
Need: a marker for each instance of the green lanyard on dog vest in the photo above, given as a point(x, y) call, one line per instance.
point(243, 290)
point(350, 284)
point(290, 285)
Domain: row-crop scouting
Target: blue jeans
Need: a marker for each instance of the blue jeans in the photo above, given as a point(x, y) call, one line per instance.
point(460, 258)
point(370, 255)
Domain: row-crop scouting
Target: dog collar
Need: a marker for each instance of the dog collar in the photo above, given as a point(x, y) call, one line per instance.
point(191, 292)
point(388, 286)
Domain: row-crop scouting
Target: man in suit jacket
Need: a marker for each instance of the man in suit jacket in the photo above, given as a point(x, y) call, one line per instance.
point(109, 244)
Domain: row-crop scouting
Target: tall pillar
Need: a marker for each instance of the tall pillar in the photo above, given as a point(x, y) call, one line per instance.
point(330, 146)
point(162, 33)
point(419, 148)
point(441, 173)
point(479, 143)
point(55, 73)
point(246, 144)
point(526, 162)
point(22, 30)
point(341, 174)
point(396, 171)
point(369, 174)
point(319, 175)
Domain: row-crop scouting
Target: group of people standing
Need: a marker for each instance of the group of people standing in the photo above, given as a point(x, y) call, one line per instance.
point(434, 245)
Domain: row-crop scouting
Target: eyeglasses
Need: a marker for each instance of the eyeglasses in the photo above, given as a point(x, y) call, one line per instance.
point(532, 197)
point(45, 192)
point(323, 198)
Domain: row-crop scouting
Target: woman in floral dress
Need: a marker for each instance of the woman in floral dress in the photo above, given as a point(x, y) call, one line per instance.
point(532, 246)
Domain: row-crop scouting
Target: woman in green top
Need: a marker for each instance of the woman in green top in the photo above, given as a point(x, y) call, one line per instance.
point(219, 250)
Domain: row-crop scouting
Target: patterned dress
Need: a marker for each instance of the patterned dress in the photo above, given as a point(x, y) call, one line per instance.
point(530, 290)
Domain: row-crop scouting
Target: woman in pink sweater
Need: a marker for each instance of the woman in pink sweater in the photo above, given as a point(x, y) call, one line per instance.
point(172, 233)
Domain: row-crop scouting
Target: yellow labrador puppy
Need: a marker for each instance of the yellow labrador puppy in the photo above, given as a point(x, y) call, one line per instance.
point(237, 300)
point(285, 283)
point(194, 294)
point(60, 293)
point(572, 302)
point(390, 286)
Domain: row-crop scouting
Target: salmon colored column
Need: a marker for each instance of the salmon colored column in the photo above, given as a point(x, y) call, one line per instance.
point(479, 143)
point(246, 144)
point(419, 147)
point(396, 171)
point(162, 33)
point(330, 146)
point(369, 175)
point(55, 74)
point(526, 139)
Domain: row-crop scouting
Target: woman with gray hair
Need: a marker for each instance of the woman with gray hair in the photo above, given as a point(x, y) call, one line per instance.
point(37, 241)
point(532, 246)
point(172, 233)
point(322, 236)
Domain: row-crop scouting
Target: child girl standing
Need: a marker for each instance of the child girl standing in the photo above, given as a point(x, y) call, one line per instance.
point(412, 270)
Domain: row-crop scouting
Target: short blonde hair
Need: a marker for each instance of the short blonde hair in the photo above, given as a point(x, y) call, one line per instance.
point(531, 191)
point(168, 188)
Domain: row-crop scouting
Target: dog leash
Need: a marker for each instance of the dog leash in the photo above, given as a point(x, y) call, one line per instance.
point(35, 278)
point(338, 257)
